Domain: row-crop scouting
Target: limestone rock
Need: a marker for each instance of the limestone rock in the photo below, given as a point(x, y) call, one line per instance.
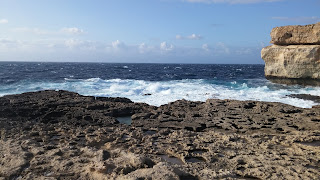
point(161, 171)
point(13, 159)
point(216, 139)
point(296, 53)
point(294, 61)
point(294, 35)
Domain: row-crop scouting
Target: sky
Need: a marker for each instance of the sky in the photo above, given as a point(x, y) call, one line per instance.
point(146, 31)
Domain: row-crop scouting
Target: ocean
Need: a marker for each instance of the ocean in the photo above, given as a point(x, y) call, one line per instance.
point(155, 84)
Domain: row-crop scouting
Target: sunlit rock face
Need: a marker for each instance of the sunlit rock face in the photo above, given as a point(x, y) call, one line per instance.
point(295, 53)
point(296, 35)
point(293, 61)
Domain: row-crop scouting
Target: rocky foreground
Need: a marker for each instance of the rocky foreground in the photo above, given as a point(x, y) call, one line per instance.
point(295, 53)
point(63, 135)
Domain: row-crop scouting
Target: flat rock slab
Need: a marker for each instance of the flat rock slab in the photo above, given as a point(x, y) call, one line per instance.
point(230, 116)
point(296, 35)
point(309, 97)
point(63, 107)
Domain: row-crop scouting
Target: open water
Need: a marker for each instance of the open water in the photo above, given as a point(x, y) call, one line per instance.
point(155, 84)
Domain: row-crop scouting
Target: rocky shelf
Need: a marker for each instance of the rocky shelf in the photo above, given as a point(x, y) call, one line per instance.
point(63, 135)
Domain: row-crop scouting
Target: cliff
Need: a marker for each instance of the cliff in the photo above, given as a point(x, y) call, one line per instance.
point(295, 53)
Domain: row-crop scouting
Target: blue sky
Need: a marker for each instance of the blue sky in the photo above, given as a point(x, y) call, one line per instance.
point(146, 31)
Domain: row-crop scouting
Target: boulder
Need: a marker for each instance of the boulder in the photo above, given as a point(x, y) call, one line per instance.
point(296, 35)
point(294, 61)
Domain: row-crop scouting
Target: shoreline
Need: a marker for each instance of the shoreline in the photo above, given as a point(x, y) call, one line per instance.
point(305, 97)
point(63, 134)
point(124, 63)
point(165, 83)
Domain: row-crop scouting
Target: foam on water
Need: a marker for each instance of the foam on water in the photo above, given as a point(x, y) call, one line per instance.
point(162, 92)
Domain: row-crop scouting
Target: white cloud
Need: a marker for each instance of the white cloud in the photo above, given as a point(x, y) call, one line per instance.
point(73, 43)
point(144, 48)
point(221, 48)
point(166, 47)
point(312, 19)
point(7, 43)
point(244, 51)
point(232, 1)
point(82, 45)
point(64, 49)
point(31, 30)
point(12, 46)
point(192, 37)
point(179, 37)
point(3, 21)
point(38, 31)
point(118, 45)
point(72, 30)
point(205, 47)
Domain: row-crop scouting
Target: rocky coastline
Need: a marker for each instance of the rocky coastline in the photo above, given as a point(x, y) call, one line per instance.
point(295, 53)
point(64, 135)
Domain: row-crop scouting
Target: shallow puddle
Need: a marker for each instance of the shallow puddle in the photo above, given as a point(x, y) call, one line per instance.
point(125, 137)
point(125, 120)
point(172, 159)
point(194, 159)
point(312, 143)
point(198, 151)
point(312, 167)
point(55, 137)
point(150, 132)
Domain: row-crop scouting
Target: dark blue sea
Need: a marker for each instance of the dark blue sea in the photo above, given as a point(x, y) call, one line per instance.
point(154, 84)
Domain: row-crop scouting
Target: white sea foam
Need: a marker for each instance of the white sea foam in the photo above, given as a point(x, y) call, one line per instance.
point(168, 91)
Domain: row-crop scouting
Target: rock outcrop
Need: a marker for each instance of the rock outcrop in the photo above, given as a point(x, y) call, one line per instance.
point(63, 135)
point(295, 53)
point(296, 35)
point(293, 61)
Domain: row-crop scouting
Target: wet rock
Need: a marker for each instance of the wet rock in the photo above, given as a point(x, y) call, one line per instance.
point(309, 97)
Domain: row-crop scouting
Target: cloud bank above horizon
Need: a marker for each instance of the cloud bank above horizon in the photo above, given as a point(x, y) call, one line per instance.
point(3, 21)
point(232, 1)
point(181, 31)
point(82, 50)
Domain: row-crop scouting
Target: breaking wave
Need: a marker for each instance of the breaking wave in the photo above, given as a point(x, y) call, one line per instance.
point(162, 92)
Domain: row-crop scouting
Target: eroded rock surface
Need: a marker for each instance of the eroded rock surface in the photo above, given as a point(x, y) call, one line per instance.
point(296, 35)
point(295, 53)
point(294, 61)
point(216, 139)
